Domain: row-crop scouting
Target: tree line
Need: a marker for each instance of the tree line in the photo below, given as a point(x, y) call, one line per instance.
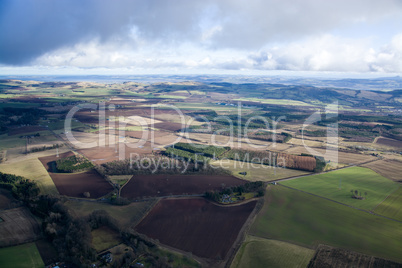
point(257, 187)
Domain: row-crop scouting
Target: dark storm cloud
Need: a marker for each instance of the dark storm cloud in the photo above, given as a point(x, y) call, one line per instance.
point(31, 28)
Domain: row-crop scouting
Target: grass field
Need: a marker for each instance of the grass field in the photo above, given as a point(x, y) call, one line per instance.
point(34, 170)
point(260, 252)
point(10, 142)
point(126, 215)
point(177, 260)
point(354, 178)
point(257, 172)
point(120, 179)
point(307, 220)
point(26, 255)
point(104, 238)
point(392, 206)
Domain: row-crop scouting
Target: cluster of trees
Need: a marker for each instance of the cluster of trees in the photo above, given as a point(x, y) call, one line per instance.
point(22, 116)
point(71, 236)
point(206, 150)
point(22, 188)
point(358, 194)
point(268, 136)
point(44, 148)
point(157, 165)
point(73, 163)
point(143, 247)
point(257, 187)
point(182, 154)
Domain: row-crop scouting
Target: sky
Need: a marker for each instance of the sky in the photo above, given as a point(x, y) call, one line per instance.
point(200, 36)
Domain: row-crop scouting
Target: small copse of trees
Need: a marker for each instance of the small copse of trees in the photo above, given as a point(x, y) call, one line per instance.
point(257, 187)
point(356, 194)
point(22, 188)
point(73, 163)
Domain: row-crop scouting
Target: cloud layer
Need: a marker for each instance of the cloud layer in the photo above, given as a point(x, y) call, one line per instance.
point(225, 34)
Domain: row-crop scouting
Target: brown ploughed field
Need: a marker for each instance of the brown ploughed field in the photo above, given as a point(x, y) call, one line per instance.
point(389, 142)
point(167, 184)
point(75, 184)
point(196, 225)
point(26, 129)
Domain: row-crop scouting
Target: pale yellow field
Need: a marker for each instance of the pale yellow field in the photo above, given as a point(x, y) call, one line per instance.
point(257, 172)
point(309, 143)
point(34, 170)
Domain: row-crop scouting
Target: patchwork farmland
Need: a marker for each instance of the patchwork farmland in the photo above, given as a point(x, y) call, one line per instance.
point(321, 221)
point(198, 218)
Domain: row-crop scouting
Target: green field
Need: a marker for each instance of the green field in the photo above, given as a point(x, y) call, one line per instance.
point(126, 215)
point(306, 220)
point(354, 178)
point(392, 206)
point(261, 252)
point(104, 238)
point(8, 142)
point(26, 255)
point(257, 172)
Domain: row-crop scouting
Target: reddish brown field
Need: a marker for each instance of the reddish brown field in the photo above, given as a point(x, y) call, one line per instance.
point(22, 130)
point(389, 142)
point(165, 185)
point(75, 184)
point(196, 225)
point(169, 126)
